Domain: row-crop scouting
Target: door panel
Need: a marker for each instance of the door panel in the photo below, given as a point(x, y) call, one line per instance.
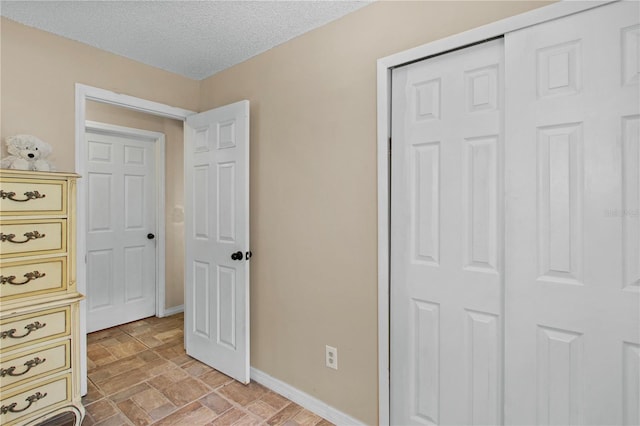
point(216, 226)
point(100, 275)
point(121, 260)
point(134, 273)
point(572, 300)
point(446, 286)
point(631, 199)
point(226, 204)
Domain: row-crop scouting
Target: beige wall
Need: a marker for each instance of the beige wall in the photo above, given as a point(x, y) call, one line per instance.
point(174, 184)
point(313, 183)
point(39, 72)
point(313, 170)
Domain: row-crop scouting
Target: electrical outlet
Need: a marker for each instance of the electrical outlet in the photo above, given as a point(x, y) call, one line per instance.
point(331, 357)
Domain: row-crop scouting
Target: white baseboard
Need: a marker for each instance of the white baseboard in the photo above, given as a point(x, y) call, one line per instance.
point(304, 400)
point(171, 311)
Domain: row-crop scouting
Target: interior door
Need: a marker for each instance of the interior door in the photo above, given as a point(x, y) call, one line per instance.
point(446, 269)
point(121, 202)
point(217, 239)
point(572, 223)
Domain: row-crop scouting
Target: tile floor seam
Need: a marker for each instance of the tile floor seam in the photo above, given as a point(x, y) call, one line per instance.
point(245, 408)
point(134, 337)
point(126, 419)
point(133, 402)
point(178, 408)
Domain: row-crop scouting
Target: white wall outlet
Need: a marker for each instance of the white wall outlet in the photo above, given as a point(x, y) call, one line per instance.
point(331, 357)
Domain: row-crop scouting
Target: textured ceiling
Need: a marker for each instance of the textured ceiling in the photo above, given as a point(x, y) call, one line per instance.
point(192, 38)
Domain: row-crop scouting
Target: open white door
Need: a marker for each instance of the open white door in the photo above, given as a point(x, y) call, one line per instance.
point(217, 239)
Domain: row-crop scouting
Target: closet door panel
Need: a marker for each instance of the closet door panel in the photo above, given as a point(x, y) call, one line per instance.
point(571, 159)
point(446, 285)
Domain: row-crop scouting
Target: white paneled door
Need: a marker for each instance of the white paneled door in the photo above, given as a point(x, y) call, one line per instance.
point(554, 315)
point(217, 239)
point(446, 288)
point(573, 237)
point(121, 218)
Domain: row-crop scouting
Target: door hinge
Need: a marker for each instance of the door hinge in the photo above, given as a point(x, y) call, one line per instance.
point(389, 147)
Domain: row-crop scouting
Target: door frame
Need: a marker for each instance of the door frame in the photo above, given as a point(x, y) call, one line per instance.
point(84, 93)
point(384, 68)
point(159, 140)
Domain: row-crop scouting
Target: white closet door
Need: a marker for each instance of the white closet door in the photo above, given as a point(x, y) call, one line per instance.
point(572, 232)
point(446, 288)
point(121, 202)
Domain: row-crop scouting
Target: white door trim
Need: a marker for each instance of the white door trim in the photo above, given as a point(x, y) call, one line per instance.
point(159, 140)
point(384, 68)
point(82, 94)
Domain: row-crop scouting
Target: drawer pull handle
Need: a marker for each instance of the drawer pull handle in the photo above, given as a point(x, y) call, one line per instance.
point(29, 235)
point(11, 408)
point(29, 364)
point(29, 277)
point(36, 325)
point(31, 195)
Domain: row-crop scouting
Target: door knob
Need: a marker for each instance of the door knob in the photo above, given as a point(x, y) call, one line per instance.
point(237, 255)
point(150, 236)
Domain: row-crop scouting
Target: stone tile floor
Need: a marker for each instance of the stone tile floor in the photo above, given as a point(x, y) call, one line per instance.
point(139, 374)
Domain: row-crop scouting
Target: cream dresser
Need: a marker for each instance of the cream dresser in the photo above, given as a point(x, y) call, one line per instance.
point(39, 302)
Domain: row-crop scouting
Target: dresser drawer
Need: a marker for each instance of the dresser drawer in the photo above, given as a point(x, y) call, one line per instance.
point(32, 197)
point(22, 238)
point(32, 277)
point(35, 399)
point(34, 364)
point(23, 330)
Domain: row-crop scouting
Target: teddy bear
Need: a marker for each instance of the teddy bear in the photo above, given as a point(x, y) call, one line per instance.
point(27, 153)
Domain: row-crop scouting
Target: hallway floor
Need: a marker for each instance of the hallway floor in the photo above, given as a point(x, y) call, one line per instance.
point(139, 374)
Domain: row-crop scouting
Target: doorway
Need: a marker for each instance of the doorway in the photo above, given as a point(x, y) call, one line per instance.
point(216, 168)
point(86, 96)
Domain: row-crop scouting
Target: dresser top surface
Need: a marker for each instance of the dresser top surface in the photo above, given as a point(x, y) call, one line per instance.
point(36, 175)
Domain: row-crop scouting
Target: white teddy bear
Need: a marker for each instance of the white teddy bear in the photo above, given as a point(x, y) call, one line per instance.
point(27, 153)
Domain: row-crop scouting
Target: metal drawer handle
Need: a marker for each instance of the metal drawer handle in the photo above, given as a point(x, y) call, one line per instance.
point(11, 408)
point(30, 236)
point(29, 364)
point(36, 325)
point(31, 195)
point(29, 277)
